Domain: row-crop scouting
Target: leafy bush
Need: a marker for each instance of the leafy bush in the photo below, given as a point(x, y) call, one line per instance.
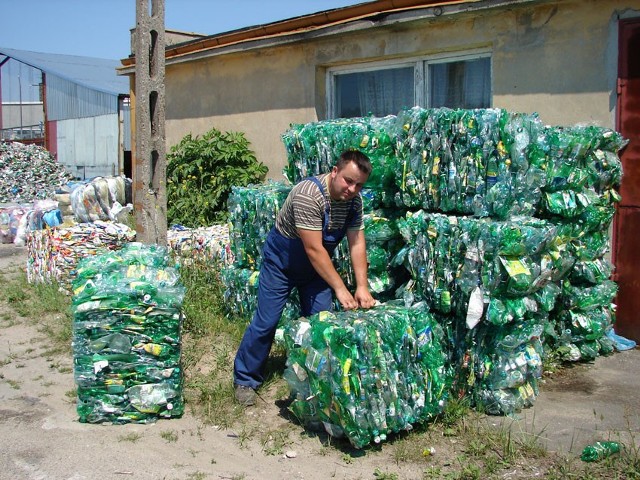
point(201, 172)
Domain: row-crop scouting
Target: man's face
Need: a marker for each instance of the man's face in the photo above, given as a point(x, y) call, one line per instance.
point(346, 183)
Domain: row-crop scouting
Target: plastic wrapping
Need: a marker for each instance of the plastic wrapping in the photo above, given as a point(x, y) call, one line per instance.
point(103, 198)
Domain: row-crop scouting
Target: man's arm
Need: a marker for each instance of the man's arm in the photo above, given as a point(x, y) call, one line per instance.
point(321, 262)
point(358, 252)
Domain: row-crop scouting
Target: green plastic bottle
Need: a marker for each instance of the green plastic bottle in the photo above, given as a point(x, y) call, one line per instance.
point(599, 450)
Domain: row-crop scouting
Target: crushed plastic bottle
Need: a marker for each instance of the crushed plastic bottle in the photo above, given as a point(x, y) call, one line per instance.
point(599, 451)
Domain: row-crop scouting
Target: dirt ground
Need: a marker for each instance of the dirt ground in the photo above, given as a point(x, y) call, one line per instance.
point(42, 438)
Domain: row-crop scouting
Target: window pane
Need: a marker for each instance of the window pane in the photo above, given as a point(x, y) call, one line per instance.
point(464, 84)
point(380, 93)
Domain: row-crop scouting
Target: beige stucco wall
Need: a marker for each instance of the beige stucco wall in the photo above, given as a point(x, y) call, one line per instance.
point(557, 58)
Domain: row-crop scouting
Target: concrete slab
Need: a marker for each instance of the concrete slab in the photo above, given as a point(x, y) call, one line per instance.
point(584, 403)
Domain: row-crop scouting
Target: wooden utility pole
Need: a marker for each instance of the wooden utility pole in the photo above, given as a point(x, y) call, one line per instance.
point(149, 175)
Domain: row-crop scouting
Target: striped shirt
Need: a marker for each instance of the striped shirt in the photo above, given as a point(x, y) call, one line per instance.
point(304, 208)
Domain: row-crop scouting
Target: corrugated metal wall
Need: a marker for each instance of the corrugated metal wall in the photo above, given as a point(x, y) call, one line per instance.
point(66, 100)
point(88, 147)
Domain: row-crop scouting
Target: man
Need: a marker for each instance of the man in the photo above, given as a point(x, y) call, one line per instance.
point(316, 215)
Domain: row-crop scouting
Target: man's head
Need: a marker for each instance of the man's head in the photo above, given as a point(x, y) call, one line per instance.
point(349, 175)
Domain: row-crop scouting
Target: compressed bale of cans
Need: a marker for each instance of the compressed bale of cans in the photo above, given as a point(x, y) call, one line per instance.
point(53, 254)
point(127, 320)
point(314, 148)
point(363, 375)
point(202, 244)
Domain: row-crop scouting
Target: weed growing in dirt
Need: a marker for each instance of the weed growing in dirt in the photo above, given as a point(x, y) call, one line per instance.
point(169, 436)
point(380, 475)
point(132, 437)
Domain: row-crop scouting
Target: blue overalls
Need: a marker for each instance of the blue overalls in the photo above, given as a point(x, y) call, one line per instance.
point(285, 265)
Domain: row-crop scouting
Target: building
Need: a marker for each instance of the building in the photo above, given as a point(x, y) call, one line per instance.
point(80, 115)
point(571, 61)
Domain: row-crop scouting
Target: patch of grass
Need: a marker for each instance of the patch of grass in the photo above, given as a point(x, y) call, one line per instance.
point(16, 385)
point(197, 476)
point(380, 475)
point(132, 437)
point(169, 436)
point(44, 304)
point(273, 442)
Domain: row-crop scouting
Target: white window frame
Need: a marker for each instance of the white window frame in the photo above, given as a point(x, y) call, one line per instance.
point(421, 71)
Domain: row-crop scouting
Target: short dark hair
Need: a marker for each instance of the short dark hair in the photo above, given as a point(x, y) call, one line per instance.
point(356, 156)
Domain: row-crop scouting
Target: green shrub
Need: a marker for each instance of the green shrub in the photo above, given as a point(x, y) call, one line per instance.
point(201, 172)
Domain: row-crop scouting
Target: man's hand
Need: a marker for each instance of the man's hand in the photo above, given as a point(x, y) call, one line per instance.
point(363, 298)
point(346, 299)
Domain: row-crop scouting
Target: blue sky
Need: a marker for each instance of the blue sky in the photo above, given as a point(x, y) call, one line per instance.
point(100, 28)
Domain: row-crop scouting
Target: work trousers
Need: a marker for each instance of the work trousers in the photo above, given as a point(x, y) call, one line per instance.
point(285, 265)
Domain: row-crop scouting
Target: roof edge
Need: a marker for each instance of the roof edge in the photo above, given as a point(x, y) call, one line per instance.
point(309, 22)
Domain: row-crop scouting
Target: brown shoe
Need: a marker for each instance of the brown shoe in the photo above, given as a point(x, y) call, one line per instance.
point(246, 396)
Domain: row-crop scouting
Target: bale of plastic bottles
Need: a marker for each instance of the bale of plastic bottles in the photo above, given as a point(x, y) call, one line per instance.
point(241, 294)
point(469, 162)
point(127, 320)
point(365, 374)
point(314, 148)
point(102, 198)
point(460, 264)
point(383, 243)
point(504, 226)
point(252, 214)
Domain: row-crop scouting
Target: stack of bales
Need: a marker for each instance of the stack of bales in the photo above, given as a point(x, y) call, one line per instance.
point(504, 224)
point(583, 171)
point(314, 148)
